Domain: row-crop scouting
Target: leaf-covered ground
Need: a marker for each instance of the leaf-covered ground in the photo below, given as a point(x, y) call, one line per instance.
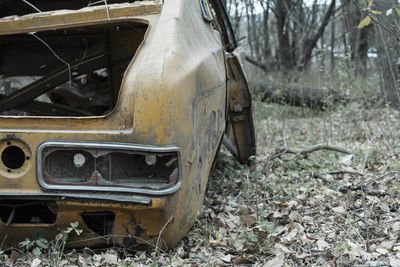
point(321, 208)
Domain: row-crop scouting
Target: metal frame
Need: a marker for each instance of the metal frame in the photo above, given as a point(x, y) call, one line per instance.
point(110, 146)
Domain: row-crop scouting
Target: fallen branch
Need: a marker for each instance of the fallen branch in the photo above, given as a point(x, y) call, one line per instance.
point(321, 177)
point(383, 176)
point(297, 95)
point(310, 150)
point(345, 172)
point(363, 188)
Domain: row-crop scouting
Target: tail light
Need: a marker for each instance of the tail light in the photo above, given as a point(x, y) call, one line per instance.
point(109, 167)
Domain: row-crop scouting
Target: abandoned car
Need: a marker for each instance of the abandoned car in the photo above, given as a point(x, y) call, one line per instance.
point(112, 114)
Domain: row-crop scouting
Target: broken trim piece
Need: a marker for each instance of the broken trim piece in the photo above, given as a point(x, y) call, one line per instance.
point(107, 146)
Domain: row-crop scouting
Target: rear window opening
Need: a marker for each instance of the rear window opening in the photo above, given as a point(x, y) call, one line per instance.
point(67, 72)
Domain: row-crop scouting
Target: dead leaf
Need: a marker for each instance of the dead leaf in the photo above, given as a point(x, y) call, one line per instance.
point(82, 261)
point(62, 263)
point(280, 249)
point(239, 244)
point(299, 227)
point(248, 220)
point(386, 245)
point(339, 209)
point(142, 255)
point(382, 251)
point(302, 255)
point(396, 226)
point(322, 244)
point(181, 251)
point(110, 258)
point(304, 239)
point(36, 262)
point(280, 230)
point(293, 215)
point(384, 207)
point(14, 256)
point(289, 237)
point(227, 258)
point(242, 260)
point(394, 262)
point(275, 262)
point(244, 210)
point(346, 160)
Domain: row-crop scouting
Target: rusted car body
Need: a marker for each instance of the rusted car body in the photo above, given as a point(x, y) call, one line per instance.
point(111, 115)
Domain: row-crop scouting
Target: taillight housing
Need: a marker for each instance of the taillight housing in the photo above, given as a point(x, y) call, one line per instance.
point(109, 167)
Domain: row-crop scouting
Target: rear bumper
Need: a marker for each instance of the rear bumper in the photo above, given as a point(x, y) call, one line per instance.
point(102, 223)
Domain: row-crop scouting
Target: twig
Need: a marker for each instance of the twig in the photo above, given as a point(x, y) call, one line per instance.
point(2, 243)
point(375, 20)
point(345, 172)
point(267, 199)
point(284, 133)
point(362, 167)
point(319, 147)
point(159, 234)
point(11, 217)
point(392, 155)
point(365, 221)
point(321, 177)
point(114, 236)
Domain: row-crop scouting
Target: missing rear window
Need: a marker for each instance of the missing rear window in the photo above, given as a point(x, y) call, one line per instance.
point(68, 72)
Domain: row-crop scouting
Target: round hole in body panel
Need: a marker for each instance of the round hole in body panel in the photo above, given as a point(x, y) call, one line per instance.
point(13, 157)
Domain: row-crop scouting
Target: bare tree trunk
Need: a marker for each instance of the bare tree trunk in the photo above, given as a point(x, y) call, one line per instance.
point(322, 51)
point(285, 60)
point(254, 27)
point(333, 34)
point(250, 37)
point(387, 48)
point(358, 37)
point(237, 18)
point(267, 49)
point(311, 43)
point(299, 31)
